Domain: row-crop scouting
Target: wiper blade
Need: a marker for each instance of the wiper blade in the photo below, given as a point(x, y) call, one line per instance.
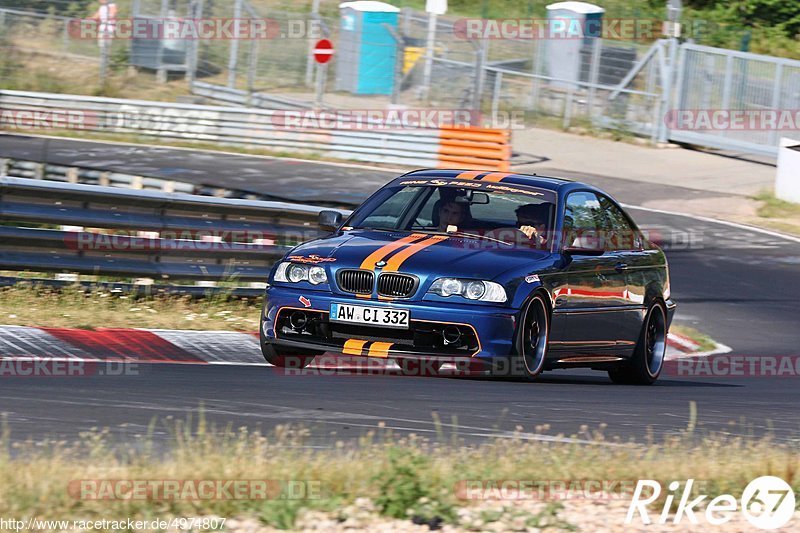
point(465, 234)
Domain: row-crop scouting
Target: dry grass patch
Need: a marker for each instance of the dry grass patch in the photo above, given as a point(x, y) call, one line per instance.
point(28, 305)
point(402, 477)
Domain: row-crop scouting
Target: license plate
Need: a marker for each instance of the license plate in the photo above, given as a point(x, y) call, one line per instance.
point(371, 316)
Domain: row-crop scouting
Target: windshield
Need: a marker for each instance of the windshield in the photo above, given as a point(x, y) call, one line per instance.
point(504, 213)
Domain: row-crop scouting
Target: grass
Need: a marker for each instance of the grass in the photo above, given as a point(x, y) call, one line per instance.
point(778, 214)
point(703, 341)
point(400, 477)
point(26, 305)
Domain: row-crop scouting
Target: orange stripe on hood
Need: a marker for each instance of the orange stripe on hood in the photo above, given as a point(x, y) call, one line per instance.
point(397, 259)
point(383, 251)
point(495, 176)
point(470, 174)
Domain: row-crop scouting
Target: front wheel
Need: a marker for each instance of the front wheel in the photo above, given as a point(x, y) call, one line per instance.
point(532, 338)
point(287, 357)
point(648, 357)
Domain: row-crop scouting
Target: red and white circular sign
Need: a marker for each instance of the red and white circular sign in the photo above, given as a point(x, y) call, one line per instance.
point(323, 51)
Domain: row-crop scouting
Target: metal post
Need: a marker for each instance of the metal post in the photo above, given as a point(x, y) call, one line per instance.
point(311, 42)
point(776, 99)
point(568, 107)
point(104, 49)
point(321, 75)
point(726, 88)
point(430, 43)
point(498, 84)
point(234, 52)
point(398, 62)
point(667, 93)
point(64, 35)
point(190, 47)
point(251, 69)
point(594, 73)
point(480, 61)
point(536, 82)
point(197, 13)
point(162, 72)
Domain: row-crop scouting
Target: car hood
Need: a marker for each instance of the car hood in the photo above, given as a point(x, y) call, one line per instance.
point(419, 254)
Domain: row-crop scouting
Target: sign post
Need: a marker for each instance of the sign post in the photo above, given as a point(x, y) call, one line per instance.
point(434, 8)
point(323, 52)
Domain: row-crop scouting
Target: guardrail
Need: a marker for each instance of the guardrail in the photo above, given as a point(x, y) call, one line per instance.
point(71, 174)
point(108, 231)
point(477, 148)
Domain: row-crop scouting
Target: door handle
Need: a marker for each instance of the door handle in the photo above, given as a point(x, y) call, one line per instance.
point(621, 267)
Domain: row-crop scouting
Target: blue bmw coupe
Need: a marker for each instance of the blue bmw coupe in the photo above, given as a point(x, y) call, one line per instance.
point(509, 273)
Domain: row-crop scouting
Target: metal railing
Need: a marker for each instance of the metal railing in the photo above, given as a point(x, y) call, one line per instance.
point(338, 135)
point(106, 231)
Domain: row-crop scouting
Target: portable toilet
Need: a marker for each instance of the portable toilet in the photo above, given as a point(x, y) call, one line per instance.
point(574, 28)
point(367, 51)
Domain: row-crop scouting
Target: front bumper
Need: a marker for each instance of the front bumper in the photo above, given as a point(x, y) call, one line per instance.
point(487, 331)
point(671, 306)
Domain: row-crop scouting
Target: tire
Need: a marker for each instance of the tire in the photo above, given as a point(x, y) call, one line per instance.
point(287, 357)
point(648, 357)
point(416, 367)
point(531, 340)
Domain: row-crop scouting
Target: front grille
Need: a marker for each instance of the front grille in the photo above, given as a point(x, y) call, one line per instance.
point(396, 285)
point(355, 281)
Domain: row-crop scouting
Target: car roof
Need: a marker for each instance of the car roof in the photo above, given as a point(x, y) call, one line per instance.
point(531, 180)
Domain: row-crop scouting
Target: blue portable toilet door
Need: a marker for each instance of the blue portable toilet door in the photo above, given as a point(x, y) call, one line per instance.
point(378, 54)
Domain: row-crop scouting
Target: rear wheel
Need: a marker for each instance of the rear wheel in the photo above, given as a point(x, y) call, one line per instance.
point(532, 339)
point(648, 357)
point(417, 367)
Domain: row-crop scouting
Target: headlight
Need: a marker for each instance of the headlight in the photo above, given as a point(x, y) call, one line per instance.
point(450, 286)
point(316, 275)
point(297, 273)
point(485, 291)
point(474, 290)
point(293, 273)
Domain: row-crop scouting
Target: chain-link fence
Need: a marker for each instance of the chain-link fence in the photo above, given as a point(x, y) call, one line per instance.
point(627, 84)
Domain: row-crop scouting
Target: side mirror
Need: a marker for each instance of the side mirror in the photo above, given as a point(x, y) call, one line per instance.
point(329, 220)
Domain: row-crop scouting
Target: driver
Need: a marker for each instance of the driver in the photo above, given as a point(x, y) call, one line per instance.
point(450, 214)
point(532, 221)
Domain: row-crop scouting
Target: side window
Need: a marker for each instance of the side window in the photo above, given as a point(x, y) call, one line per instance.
point(583, 221)
point(619, 234)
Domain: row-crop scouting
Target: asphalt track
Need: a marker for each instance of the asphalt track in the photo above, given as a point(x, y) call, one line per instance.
point(739, 286)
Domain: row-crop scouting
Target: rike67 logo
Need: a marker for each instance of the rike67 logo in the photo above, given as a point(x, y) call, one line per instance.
point(768, 502)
